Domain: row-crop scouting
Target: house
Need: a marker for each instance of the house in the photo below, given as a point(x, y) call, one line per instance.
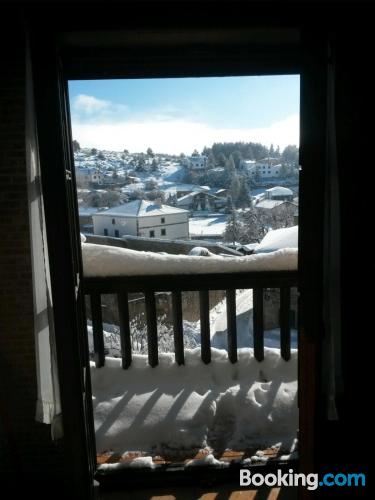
point(143, 218)
point(268, 168)
point(87, 176)
point(279, 193)
point(196, 162)
point(200, 201)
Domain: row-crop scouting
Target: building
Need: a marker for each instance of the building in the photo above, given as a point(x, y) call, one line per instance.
point(87, 176)
point(201, 201)
point(197, 162)
point(279, 193)
point(149, 219)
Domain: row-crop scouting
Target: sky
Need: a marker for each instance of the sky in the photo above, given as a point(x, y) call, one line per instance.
point(178, 115)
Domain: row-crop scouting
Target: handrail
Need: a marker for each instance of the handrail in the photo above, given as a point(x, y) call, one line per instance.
point(203, 283)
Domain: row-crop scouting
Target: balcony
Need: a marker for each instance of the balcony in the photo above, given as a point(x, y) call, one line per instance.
point(254, 368)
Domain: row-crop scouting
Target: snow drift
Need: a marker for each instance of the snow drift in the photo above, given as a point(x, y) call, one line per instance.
point(173, 408)
point(104, 260)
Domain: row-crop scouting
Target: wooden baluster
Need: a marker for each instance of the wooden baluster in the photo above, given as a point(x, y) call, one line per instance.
point(125, 339)
point(177, 328)
point(285, 323)
point(97, 329)
point(231, 325)
point(152, 331)
point(204, 304)
point(258, 324)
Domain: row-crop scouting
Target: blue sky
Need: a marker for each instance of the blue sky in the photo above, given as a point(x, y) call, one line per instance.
point(178, 115)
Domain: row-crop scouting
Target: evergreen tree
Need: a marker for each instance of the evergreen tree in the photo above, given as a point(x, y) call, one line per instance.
point(76, 146)
point(243, 199)
point(235, 187)
point(150, 152)
point(233, 227)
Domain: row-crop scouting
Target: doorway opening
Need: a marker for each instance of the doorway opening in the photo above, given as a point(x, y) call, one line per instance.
point(188, 193)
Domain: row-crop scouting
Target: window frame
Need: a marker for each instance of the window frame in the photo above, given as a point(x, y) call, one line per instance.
point(73, 60)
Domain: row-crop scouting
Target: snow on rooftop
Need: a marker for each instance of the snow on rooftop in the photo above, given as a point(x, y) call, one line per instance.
point(269, 204)
point(280, 191)
point(285, 238)
point(179, 408)
point(142, 208)
point(103, 260)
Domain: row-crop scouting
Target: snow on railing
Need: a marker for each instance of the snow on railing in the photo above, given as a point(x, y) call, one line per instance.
point(121, 271)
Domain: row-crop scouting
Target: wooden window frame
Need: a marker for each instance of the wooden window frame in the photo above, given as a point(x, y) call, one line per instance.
point(58, 57)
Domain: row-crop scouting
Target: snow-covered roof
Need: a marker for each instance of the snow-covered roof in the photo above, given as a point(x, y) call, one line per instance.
point(278, 239)
point(142, 208)
point(280, 191)
point(269, 204)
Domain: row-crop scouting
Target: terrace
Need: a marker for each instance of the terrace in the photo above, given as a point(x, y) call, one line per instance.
point(153, 413)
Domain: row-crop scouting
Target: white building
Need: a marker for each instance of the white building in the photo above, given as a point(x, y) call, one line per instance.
point(263, 169)
point(87, 176)
point(148, 219)
point(279, 193)
point(197, 162)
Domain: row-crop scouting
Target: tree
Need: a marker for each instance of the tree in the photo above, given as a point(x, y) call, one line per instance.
point(141, 166)
point(101, 156)
point(237, 158)
point(154, 165)
point(126, 151)
point(211, 161)
point(150, 152)
point(94, 151)
point(76, 146)
point(222, 159)
point(233, 226)
point(290, 155)
point(243, 198)
point(254, 226)
point(230, 165)
point(235, 187)
point(151, 184)
point(195, 153)
point(272, 151)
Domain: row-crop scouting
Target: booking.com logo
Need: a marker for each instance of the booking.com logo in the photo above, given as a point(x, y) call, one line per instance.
point(310, 481)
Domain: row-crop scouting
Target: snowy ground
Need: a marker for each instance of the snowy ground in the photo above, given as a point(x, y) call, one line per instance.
point(173, 408)
point(210, 226)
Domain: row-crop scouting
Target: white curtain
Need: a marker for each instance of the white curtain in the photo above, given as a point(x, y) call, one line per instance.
point(48, 409)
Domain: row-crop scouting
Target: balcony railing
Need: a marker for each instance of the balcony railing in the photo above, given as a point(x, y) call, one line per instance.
point(94, 287)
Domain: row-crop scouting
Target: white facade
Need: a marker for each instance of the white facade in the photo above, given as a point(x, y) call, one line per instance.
point(198, 162)
point(143, 218)
point(263, 169)
point(86, 176)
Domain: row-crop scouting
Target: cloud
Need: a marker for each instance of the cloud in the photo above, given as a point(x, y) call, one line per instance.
point(106, 125)
point(178, 135)
point(88, 104)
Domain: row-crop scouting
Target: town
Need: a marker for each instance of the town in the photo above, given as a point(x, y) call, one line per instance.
point(227, 197)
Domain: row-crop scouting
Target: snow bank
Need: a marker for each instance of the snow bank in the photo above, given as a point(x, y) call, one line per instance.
point(104, 260)
point(174, 408)
point(277, 239)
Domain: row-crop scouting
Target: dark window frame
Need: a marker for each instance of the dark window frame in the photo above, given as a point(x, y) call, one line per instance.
point(74, 59)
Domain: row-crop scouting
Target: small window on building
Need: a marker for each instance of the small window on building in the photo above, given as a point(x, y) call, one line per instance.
point(113, 221)
point(117, 233)
point(163, 232)
point(163, 220)
point(105, 232)
point(152, 234)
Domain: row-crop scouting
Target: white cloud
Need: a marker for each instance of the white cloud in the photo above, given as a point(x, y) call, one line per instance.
point(88, 104)
point(176, 135)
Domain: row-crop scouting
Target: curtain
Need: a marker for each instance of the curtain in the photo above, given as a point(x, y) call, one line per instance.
point(332, 259)
point(48, 408)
